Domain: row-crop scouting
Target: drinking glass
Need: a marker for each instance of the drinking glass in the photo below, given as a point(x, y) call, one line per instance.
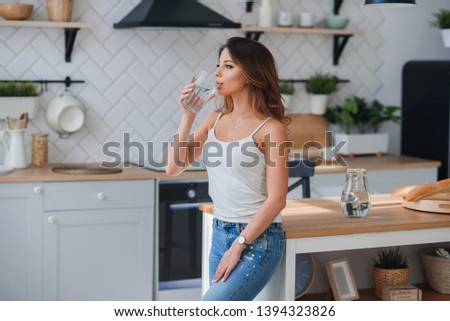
point(202, 92)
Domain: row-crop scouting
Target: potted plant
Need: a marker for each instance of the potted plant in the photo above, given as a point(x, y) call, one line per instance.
point(17, 98)
point(287, 91)
point(319, 86)
point(360, 122)
point(442, 21)
point(390, 267)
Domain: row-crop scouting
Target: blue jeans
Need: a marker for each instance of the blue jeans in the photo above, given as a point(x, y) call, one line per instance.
point(255, 267)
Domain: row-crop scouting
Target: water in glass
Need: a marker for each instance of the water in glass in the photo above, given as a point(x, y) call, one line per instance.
point(355, 198)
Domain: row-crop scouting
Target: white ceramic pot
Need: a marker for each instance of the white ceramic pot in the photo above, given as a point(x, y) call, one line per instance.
point(65, 114)
point(318, 104)
point(359, 144)
point(446, 37)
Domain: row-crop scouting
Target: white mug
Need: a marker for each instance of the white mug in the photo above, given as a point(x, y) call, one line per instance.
point(285, 19)
point(306, 19)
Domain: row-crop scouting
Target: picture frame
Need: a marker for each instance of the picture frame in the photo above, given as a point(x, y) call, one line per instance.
point(341, 280)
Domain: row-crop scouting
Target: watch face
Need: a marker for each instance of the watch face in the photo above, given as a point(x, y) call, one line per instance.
point(241, 239)
point(304, 273)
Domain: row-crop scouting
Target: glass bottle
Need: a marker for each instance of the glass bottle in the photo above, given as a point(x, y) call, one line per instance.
point(39, 149)
point(355, 198)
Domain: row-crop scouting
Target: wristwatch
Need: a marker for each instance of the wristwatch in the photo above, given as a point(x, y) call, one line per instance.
point(241, 240)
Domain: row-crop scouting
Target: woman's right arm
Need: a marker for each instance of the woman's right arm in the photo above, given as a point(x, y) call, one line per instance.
point(186, 148)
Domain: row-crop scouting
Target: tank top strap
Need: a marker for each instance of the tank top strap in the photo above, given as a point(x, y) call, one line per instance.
point(259, 126)
point(217, 120)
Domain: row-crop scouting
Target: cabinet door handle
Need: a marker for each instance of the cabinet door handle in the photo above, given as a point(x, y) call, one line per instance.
point(37, 189)
point(51, 219)
point(101, 196)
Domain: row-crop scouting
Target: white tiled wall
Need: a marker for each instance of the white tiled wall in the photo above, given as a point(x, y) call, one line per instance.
point(134, 76)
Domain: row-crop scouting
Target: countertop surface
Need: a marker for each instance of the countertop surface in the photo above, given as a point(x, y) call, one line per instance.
point(45, 174)
point(316, 217)
point(132, 172)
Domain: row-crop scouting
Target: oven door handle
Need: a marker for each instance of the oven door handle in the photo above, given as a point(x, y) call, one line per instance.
point(184, 206)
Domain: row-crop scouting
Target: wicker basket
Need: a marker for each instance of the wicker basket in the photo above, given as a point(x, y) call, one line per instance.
point(437, 270)
point(388, 276)
point(59, 10)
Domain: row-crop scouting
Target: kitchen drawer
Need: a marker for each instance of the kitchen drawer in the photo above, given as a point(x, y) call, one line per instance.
point(98, 194)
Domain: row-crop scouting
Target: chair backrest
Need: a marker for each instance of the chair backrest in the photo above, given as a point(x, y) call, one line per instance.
point(304, 169)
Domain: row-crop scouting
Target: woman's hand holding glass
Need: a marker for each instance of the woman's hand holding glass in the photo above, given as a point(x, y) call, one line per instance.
point(197, 93)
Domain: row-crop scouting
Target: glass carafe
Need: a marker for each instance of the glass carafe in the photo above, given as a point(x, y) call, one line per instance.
point(355, 198)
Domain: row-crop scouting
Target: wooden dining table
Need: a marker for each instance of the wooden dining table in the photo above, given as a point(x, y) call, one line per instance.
point(319, 225)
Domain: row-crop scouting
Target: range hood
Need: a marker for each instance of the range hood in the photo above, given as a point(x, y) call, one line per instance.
point(174, 13)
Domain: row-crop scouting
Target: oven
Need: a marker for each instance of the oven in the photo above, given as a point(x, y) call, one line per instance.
point(180, 239)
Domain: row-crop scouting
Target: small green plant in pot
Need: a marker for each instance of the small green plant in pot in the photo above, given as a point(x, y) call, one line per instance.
point(287, 91)
point(357, 115)
point(390, 268)
point(320, 86)
point(17, 98)
point(18, 89)
point(360, 122)
point(442, 21)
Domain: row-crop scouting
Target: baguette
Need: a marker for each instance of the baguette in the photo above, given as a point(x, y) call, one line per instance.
point(402, 191)
point(425, 190)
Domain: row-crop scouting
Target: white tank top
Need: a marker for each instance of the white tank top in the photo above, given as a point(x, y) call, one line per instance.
point(236, 175)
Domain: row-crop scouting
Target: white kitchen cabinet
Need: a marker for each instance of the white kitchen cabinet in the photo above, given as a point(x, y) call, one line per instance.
point(20, 241)
point(83, 240)
point(98, 240)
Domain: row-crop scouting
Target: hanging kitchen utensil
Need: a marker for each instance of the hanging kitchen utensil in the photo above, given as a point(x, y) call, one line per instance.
point(65, 114)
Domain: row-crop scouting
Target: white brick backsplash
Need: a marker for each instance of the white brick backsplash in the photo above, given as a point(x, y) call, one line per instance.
point(96, 50)
point(119, 88)
point(140, 124)
point(96, 125)
point(23, 62)
point(96, 76)
point(141, 100)
point(133, 77)
point(119, 63)
point(119, 112)
point(95, 100)
point(142, 52)
point(164, 65)
point(21, 39)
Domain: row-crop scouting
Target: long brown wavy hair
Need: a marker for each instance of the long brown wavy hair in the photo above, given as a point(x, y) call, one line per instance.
point(260, 70)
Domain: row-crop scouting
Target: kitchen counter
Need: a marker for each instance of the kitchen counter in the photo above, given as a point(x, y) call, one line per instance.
point(384, 162)
point(44, 174)
point(318, 225)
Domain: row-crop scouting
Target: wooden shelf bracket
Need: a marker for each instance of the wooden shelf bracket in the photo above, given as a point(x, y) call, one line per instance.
point(70, 34)
point(339, 43)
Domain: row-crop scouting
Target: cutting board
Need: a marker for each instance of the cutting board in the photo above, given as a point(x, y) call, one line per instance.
point(434, 206)
point(307, 128)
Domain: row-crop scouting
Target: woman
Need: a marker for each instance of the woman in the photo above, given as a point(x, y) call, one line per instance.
point(245, 152)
